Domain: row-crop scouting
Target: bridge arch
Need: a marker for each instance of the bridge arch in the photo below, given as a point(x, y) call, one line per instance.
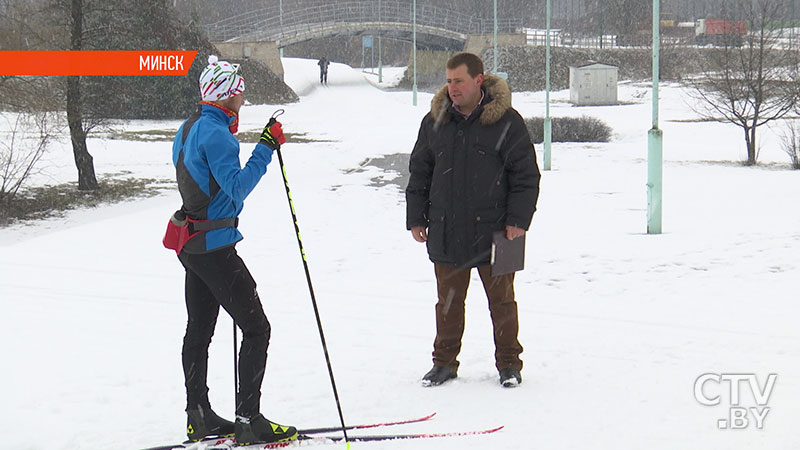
point(437, 28)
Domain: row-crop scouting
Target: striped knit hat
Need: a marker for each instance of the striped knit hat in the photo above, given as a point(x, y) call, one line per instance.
point(220, 80)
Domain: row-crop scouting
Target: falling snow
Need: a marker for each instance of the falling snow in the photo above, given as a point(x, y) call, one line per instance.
point(617, 325)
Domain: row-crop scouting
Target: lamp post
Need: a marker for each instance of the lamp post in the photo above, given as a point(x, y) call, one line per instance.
point(414, 51)
point(600, 10)
point(791, 30)
point(495, 38)
point(655, 138)
point(547, 124)
point(380, 61)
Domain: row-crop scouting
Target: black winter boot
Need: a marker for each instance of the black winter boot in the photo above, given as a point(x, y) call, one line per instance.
point(510, 377)
point(260, 430)
point(203, 422)
point(438, 375)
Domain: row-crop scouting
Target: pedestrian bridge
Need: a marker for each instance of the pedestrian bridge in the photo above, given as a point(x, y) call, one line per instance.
point(437, 28)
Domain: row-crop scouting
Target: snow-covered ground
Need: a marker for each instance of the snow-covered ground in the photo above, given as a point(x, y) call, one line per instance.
point(617, 325)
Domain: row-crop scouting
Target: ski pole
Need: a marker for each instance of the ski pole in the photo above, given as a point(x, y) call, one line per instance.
point(235, 367)
point(272, 120)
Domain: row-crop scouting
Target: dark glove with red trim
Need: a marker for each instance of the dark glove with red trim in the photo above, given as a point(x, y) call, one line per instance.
point(272, 136)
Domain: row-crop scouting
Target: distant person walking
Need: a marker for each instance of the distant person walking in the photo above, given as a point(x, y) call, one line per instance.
point(323, 70)
point(473, 172)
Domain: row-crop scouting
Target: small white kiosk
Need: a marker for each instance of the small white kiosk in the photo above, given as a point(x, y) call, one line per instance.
point(593, 83)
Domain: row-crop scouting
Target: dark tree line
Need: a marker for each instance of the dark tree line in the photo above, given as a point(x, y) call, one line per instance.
point(610, 16)
point(89, 101)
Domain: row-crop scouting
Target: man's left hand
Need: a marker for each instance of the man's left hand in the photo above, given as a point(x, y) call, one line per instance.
point(513, 232)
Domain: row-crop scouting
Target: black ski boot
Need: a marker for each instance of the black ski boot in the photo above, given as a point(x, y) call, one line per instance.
point(203, 422)
point(260, 430)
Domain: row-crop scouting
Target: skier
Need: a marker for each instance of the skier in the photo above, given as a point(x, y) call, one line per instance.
point(323, 70)
point(203, 232)
point(473, 172)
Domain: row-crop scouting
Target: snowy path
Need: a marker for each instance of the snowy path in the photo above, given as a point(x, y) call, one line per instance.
point(617, 325)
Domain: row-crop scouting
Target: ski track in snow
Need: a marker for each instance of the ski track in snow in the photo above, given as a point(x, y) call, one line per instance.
point(616, 324)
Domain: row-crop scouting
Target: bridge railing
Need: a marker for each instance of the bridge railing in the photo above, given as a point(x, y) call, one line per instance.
point(270, 24)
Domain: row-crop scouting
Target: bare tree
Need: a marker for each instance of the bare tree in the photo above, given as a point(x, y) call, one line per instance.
point(26, 142)
point(754, 84)
point(96, 25)
point(47, 24)
point(87, 180)
point(791, 143)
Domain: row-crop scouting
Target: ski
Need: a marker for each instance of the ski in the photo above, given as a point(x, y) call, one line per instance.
point(391, 437)
point(365, 426)
point(208, 443)
point(315, 440)
point(230, 443)
point(216, 441)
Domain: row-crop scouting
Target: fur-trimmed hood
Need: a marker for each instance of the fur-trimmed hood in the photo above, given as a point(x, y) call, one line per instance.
point(499, 101)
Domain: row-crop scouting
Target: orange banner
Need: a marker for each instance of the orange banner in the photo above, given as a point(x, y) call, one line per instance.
point(97, 62)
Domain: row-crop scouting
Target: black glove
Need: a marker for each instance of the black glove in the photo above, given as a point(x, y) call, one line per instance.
point(272, 136)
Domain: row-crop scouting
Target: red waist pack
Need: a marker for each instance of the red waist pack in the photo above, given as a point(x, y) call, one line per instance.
point(181, 228)
point(178, 233)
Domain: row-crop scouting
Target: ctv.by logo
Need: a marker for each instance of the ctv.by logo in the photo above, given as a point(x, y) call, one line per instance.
point(708, 389)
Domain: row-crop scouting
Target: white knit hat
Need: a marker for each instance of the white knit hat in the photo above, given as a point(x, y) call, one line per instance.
point(220, 80)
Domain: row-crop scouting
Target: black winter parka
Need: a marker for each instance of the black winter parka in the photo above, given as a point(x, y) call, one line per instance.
point(471, 177)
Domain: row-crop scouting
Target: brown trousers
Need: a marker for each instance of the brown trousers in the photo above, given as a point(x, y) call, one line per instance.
point(452, 284)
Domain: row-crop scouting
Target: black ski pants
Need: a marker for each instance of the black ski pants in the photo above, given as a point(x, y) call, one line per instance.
point(220, 278)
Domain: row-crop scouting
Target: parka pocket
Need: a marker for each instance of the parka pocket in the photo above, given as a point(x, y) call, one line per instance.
point(487, 221)
point(495, 217)
point(486, 151)
point(437, 245)
point(491, 164)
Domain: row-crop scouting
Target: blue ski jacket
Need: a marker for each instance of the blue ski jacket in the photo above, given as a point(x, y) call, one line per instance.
point(212, 183)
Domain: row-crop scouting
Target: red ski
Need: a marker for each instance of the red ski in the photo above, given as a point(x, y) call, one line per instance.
point(367, 438)
point(365, 426)
point(230, 444)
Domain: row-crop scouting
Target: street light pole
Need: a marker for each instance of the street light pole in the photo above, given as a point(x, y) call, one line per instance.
point(414, 50)
point(495, 38)
point(380, 60)
point(548, 127)
point(791, 21)
point(655, 137)
point(601, 23)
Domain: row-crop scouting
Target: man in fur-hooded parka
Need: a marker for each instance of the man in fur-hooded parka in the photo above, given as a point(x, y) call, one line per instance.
point(473, 172)
point(471, 176)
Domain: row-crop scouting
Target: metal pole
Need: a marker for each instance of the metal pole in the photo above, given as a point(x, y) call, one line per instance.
point(414, 50)
point(601, 23)
point(548, 128)
point(380, 59)
point(313, 298)
point(655, 138)
point(281, 17)
point(793, 24)
point(495, 38)
point(235, 366)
